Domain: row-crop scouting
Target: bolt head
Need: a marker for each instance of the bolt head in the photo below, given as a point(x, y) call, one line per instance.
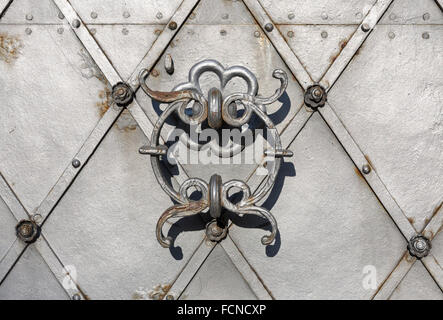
point(419, 246)
point(315, 96)
point(214, 232)
point(269, 27)
point(27, 231)
point(122, 94)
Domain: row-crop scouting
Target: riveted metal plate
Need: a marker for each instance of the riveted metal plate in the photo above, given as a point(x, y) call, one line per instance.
point(400, 130)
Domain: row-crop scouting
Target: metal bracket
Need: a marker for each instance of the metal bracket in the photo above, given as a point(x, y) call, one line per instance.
point(216, 110)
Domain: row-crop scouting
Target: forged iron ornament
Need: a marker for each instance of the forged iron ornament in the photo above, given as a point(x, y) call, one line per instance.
point(216, 109)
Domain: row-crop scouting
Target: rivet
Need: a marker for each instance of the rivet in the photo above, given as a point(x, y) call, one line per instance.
point(125, 31)
point(76, 23)
point(28, 31)
point(366, 168)
point(60, 30)
point(324, 16)
point(290, 34)
point(126, 14)
point(172, 25)
point(291, 16)
point(359, 15)
point(269, 27)
point(94, 15)
point(324, 34)
point(76, 163)
point(223, 32)
point(76, 297)
point(157, 32)
point(192, 16)
point(257, 34)
point(169, 297)
point(29, 17)
point(93, 31)
point(426, 16)
point(155, 73)
point(425, 35)
point(159, 15)
point(392, 16)
point(225, 16)
point(391, 35)
point(37, 218)
point(61, 16)
point(365, 27)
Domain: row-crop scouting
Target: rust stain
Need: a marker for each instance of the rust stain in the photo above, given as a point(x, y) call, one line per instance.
point(411, 220)
point(10, 47)
point(159, 292)
point(357, 171)
point(342, 44)
point(105, 100)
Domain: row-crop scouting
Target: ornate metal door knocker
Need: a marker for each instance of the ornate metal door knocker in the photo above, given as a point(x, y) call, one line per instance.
point(217, 110)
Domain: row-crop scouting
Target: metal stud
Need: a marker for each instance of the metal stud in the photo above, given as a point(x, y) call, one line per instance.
point(94, 15)
point(125, 31)
point(269, 27)
point(391, 35)
point(29, 17)
point(126, 14)
point(76, 23)
point(425, 35)
point(324, 34)
point(76, 163)
point(172, 25)
point(291, 16)
point(225, 16)
point(257, 34)
point(159, 15)
point(61, 16)
point(60, 30)
point(426, 16)
point(324, 16)
point(365, 27)
point(76, 296)
point(223, 32)
point(366, 168)
point(290, 34)
point(28, 31)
